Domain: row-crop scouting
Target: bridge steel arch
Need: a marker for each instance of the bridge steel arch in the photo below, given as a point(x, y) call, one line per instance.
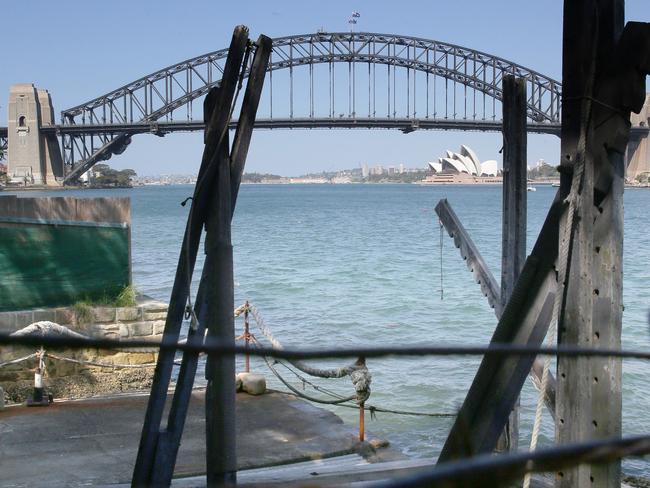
point(163, 95)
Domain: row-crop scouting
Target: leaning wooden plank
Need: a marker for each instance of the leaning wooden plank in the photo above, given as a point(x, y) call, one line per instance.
point(469, 252)
point(189, 248)
point(251, 101)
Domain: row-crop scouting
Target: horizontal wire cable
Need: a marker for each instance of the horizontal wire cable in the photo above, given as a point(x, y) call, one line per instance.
point(213, 347)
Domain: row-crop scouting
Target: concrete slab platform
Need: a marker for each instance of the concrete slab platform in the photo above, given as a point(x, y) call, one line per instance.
point(94, 441)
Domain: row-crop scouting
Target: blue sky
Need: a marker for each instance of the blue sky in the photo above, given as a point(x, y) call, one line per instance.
point(80, 49)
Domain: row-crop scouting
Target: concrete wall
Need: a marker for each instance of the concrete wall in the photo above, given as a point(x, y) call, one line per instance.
point(100, 210)
point(68, 380)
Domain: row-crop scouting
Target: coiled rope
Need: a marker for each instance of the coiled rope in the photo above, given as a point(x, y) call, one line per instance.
point(358, 373)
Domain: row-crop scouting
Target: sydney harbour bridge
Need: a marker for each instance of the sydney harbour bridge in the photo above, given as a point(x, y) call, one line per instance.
point(320, 80)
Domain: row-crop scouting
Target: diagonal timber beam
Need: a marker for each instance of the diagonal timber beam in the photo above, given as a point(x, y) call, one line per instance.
point(484, 277)
point(524, 321)
point(470, 253)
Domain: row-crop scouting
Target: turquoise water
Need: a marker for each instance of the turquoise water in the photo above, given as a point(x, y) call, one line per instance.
point(347, 265)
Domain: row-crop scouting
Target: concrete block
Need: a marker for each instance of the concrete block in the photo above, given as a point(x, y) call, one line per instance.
point(7, 321)
point(141, 329)
point(48, 314)
point(103, 314)
point(129, 314)
point(64, 316)
point(252, 383)
point(124, 330)
point(23, 319)
point(238, 384)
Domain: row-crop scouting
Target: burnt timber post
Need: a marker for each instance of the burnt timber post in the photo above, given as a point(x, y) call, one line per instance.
point(513, 240)
point(221, 459)
point(213, 196)
point(158, 447)
point(604, 70)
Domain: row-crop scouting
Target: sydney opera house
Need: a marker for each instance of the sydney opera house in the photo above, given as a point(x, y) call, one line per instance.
point(462, 167)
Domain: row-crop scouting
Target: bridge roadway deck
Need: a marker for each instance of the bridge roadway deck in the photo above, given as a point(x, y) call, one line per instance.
point(404, 124)
point(94, 442)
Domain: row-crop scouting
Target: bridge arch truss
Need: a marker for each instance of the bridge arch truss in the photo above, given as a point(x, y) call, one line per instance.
point(318, 80)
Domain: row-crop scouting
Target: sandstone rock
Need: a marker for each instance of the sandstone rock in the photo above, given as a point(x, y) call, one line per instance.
point(253, 384)
point(128, 314)
point(141, 329)
point(124, 330)
point(2, 398)
point(378, 443)
point(103, 314)
point(160, 315)
point(158, 327)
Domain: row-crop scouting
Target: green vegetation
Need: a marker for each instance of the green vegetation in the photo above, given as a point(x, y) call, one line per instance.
point(410, 177)
point(127, 297)
point(259, 177)
point(643, 178)
point(4, 179)
point(106, 177)
point(544, 171)
point(83, 308)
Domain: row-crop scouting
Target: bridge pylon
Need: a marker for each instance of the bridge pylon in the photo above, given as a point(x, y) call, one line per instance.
point(33, 157)
point(638, 150)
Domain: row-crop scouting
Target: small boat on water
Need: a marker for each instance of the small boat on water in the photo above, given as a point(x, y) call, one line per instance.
point(531, 188)
point(555, 185)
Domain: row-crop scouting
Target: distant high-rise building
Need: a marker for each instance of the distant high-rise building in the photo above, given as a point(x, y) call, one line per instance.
point(364, 170)
point(401, 168)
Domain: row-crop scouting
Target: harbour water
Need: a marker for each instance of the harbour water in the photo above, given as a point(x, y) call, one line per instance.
point(346, 265)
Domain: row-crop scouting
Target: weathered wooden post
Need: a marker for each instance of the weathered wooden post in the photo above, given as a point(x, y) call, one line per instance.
point(596, 110)
point(221, 459)
point(604, 69)
point(513, 240)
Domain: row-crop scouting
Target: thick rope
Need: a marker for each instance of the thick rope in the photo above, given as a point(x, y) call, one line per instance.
point(18, 360)
point(321, 373)
point(45, 328)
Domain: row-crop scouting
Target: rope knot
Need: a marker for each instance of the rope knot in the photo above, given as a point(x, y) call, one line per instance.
point(361, 379)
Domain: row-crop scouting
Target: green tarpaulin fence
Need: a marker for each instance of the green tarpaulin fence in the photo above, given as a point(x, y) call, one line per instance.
point(44, 265)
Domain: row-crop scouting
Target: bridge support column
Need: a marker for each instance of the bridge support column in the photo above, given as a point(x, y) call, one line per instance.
point(33, 158)
point(638, 150)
